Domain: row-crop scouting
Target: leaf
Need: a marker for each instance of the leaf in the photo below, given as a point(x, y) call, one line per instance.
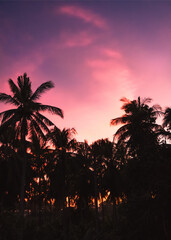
point(51, 109)
point(41, 89)
point(8, 99)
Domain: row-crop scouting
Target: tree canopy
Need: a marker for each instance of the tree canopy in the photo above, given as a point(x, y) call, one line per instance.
point(74, 190)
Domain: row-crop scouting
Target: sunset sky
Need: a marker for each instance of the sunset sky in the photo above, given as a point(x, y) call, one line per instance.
point(95, 52)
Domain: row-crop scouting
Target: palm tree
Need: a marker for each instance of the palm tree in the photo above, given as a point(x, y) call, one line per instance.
point(65, 145)
point(167, 118)
point(40, 155)
point(26, 117)
point(167, 123)
point(101, 155)
point(9, 169)
point(143, 154)
point(139, 124)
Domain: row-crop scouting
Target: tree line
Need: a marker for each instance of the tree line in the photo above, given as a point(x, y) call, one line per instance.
point(104, 190)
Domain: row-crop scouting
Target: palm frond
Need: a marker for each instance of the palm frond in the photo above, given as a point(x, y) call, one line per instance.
point(167, 118)
point(8, 114)
point(125, 100)
point(73, 131)
point(17, 130)
point(54, 136)
point(27, 87)
point(14, 89)
point(146, 100)
point(119, 120)
point(20, 82)
point(44, 119)
point(122, 130)
point(168, 111)
point(35, 127)
point(41, 123)
point(2, 113)
point(35, 141)
point(41, 89)
point(72, 144)
point(163, 133)
point(124, 138)
point(51, 109)
point(8, 99)
point(157, 107)
point(38, 145)
point(11, 122)
point(26, 80)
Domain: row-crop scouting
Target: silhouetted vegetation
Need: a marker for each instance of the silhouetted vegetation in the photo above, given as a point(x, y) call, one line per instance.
point(53, 187)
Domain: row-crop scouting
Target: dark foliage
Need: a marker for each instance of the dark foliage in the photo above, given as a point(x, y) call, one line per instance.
point(107, 190)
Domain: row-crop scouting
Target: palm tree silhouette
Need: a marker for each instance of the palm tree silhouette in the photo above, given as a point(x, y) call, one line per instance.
point(167, 118)
point(64, 144)
point(10, 169)
point(139, 124)
point(101, 154)
point(26, 117)
point(40, 155)
point(167, 123)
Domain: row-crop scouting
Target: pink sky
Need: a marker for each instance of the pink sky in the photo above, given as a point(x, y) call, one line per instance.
point(95, 55)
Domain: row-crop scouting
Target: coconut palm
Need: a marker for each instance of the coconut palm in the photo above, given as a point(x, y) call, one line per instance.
point(41, 154)
point(26, 117)
point(10, 169)
point(64, 144)
point(139, 124)
point(101, 152)
point(139, 134)
point(167, 118)
point(63, 139)
point(167, 123)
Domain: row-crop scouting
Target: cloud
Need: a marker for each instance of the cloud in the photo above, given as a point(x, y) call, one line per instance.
point(84, 14)
point(80, 39)
point(111, 76)
point(111, 53)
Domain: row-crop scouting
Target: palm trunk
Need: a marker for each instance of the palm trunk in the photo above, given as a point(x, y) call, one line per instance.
point(103, 215)
point(64, 217)
point(40, 187)
point(164, 226)
point(114, 217)
point(96, 202)
point(23, 180)
point(69, 202)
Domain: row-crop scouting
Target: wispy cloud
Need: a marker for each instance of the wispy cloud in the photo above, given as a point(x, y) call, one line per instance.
point(111, 73)
point(80, 39)
point(84, 14)
point(111, 53)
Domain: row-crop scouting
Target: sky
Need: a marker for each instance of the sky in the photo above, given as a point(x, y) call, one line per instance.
point(95, 52)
